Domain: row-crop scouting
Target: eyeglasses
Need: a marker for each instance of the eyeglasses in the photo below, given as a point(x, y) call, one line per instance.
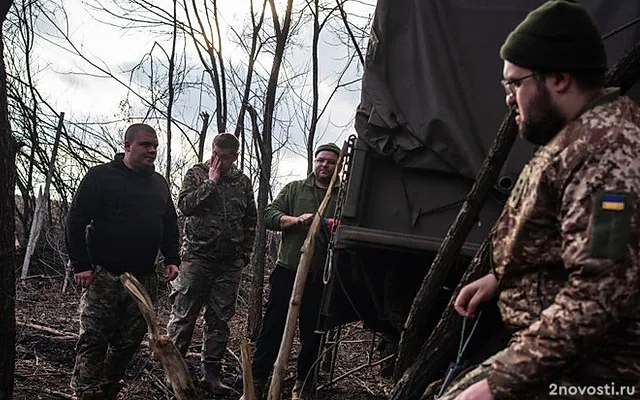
point(326, 160)
point(510, 84)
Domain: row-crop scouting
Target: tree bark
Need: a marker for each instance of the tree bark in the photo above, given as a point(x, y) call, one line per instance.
point(8, 150)
point(441, 346)
point(41, 203)
point(203, 134)
point(254, 318)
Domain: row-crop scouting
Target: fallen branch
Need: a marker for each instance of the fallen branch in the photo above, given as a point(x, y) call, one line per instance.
point(57, 393)
point(235, 356)
point(354, 370)
point(157, 382)
point(163, 347)
point(298, 287)
point(63, 334)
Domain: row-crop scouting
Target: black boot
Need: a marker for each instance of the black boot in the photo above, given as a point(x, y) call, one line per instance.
point(112, 389)
point(91, 394)
point(211, 379)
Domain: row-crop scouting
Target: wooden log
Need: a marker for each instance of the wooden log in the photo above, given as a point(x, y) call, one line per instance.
point(415, 329)
point(163, 347)
point(298, 287)
point(441, 346)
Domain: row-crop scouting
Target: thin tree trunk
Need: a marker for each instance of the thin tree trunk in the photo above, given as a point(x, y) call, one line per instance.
point(171, 92)
point(38, 214)
point(203, 135)
point(254, 318)
point(8, 150)
point(266, 147)
point(244, 103)
point(314, 107)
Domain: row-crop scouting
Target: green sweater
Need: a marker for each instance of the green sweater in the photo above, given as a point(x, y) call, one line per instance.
point(295, 199)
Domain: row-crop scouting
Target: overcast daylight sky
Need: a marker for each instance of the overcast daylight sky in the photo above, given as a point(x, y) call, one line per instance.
point(89, 97)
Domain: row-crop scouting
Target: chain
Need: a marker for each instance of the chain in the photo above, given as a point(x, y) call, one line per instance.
point(344, 179)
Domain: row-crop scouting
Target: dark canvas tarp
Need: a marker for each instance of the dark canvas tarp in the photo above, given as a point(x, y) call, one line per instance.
point(431, 97)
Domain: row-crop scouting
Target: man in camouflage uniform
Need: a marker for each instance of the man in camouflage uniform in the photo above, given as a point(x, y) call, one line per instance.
point(566, 248)
point(122, 214)
point(217, 200)
point(291, 212)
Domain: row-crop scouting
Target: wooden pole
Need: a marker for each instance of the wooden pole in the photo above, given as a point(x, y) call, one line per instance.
point(307, 250)
point(163, 347)
point(247, 375)
point(38, 214)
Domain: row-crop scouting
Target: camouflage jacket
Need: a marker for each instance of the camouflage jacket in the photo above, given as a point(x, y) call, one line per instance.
point(565, 254)
point(220, 218)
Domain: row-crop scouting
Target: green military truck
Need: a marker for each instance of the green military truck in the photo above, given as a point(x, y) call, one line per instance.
point(431, 104)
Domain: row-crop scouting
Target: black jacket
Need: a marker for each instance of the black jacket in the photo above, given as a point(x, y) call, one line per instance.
point(130, 217)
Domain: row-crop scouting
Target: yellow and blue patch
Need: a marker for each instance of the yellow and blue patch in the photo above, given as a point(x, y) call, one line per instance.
point(611, 225)
point(613, 202)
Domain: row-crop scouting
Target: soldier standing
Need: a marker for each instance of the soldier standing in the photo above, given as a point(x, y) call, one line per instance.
point(566, 247)
point(129, 209)
point(217, 200)
point(292, 212)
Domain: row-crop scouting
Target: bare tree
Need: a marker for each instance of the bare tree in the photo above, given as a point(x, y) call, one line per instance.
point(8, 149)
point(172, 59)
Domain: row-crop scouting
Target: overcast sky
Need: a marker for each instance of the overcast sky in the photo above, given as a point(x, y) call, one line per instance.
point(90, 97)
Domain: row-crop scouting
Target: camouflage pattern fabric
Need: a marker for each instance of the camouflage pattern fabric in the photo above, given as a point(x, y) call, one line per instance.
point(111, 330)
point(212, 285)
point(220, 218)
point(480, 372)
point(572, 296)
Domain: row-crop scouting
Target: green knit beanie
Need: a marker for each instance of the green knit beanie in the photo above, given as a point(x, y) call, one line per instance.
point(327, 147)
point(558, 36)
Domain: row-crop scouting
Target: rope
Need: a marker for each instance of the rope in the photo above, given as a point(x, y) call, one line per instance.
point(461, 345)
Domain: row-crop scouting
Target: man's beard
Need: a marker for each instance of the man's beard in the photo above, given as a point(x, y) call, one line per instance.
point(323, 179)
point(545, 121)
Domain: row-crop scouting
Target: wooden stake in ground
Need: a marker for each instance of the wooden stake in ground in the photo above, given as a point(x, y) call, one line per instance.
point(298, 288)
point(247, 374)
point(38, 214)
point(163, 347)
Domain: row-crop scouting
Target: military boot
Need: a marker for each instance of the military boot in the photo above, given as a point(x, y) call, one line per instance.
point(112, 389)
point(302, 391)
point(211, 379)
point(91, 394)
point(260, 389)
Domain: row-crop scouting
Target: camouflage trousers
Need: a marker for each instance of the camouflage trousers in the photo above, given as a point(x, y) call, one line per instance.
point(210, 285)
point(560, 389)
point(111, 330)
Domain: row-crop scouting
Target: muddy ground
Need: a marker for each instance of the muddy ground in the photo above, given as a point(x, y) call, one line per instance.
point(47, 330)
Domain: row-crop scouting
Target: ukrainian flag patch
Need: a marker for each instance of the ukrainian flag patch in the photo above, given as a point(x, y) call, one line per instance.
point(611, 224)
point(613, 202)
